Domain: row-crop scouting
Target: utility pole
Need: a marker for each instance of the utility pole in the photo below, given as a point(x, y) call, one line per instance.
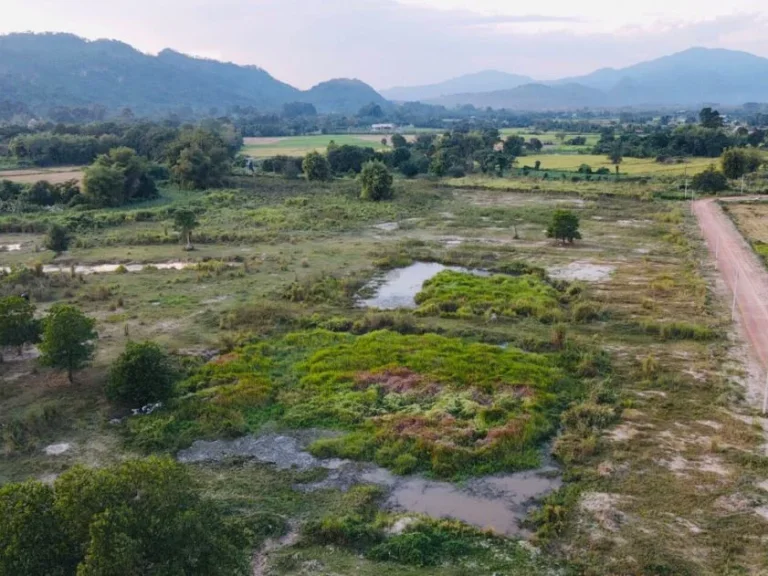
point(765, 396)
point(686, 184)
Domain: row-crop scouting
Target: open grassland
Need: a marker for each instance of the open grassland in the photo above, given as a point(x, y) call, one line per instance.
point(611, 353)
point(631, 166)
point(52, 175)
point(301, 145)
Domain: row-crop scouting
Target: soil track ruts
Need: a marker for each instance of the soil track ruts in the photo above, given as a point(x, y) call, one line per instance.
point(742, 272)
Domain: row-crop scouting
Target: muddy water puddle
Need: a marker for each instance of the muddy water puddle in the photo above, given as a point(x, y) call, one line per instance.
point(398, 288)
point(497, 503)
point(110, 268)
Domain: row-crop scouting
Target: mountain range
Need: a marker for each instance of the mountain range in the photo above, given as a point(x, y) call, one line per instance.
point(690, 78)
point(45, 71)
point(50, 70)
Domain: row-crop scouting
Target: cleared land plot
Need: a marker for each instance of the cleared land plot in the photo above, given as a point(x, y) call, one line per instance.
point(571, 162)
point(671, 489)
point(752, 219)
point(301, 145)
point(52, 175)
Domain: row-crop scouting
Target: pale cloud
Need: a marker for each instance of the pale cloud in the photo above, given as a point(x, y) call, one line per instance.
point(388, 42)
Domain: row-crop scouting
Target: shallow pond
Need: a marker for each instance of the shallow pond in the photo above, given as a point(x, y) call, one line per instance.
point(398, 288)
point(496, 502)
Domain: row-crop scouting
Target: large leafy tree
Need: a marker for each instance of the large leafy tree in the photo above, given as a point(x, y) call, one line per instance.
point(143, 517)
point(118, 177)
point(32, 538)
point(199, 159)
point(17, 322)
point(68, 339)
point(143, 374)
point(710, 118)
point(564, 226)
point(376, 181)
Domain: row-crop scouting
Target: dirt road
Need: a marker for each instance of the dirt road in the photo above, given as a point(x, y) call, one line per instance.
point(742, 272)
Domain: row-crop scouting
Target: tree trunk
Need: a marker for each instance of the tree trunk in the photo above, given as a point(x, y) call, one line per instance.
point(70, 376)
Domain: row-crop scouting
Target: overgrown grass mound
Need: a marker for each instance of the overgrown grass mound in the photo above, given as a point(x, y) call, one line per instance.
point(425, 402)
point(457, 294)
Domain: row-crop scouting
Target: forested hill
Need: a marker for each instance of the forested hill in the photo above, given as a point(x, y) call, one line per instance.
point(46, 71)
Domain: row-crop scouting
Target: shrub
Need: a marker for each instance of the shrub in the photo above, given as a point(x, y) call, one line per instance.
point(710, 180)
point(316, 168)
point(589, 416)
point(376, 182)
point(57, 239)
point(142, 375)
point(425, 544)
point(585, 312)
point(350, 531)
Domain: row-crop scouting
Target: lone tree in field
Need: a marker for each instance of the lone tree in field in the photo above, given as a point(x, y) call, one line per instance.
point(564, 226)
point(57, 239)
point(17, 323)
point(184, 222)
point(68, 339)
point(377, 181)
point(316, 167)
point(142, 375)
point(617, 154)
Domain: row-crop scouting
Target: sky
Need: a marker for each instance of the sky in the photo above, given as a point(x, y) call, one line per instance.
point(407, 42)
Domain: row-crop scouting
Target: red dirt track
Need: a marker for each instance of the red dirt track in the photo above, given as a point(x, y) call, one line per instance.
point(741, 270)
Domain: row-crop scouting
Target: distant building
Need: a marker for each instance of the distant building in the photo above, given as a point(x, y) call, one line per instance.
point(383, 128)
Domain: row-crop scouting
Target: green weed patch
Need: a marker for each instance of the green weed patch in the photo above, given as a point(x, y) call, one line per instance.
point(460, 295)
point(427, 402)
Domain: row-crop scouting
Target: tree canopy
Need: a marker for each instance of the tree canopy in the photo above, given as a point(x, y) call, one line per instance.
point(199, 159)
point(17, 322)
point(119, 177)
point(68, 339)
point(564, 226)
point(140, 517)
point(142, 375)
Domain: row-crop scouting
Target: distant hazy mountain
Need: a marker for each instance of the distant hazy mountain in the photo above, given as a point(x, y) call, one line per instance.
point(697, 75)
point(689, 78)
point(342, 95)
point(48, 70)
point(531, 97)
point(486, 81)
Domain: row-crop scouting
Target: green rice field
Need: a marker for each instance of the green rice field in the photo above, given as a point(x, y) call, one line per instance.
point(301, 145)
point(633, 166)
